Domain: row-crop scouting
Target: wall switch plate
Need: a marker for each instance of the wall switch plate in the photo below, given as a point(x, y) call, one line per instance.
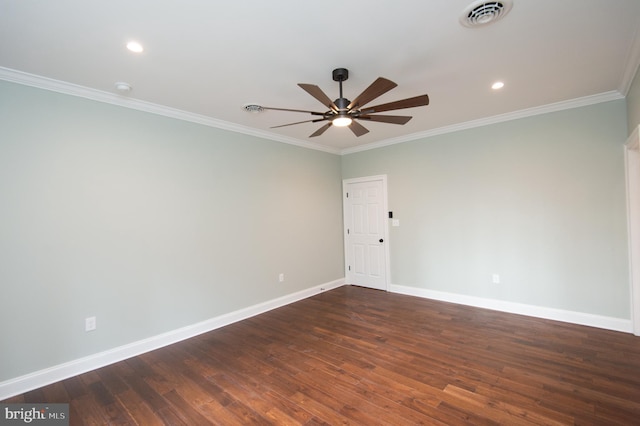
point(281, 277)
point(395, 222)
point(495, 278)
point(90, 324)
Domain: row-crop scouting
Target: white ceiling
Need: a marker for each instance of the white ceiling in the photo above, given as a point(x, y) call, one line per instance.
point(208, 59)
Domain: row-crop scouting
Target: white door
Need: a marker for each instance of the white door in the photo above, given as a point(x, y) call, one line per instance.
point(365, 214)
point(632, 159)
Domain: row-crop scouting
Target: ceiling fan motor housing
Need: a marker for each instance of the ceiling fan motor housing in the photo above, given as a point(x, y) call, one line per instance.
point(342, 103)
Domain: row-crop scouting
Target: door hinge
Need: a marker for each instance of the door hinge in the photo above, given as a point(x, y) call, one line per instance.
point(347, 195)
point(349, 267)
point(347, 231)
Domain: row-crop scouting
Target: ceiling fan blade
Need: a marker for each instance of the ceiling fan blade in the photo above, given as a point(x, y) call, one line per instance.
point(299, 122)
point(320, 131)
point(317, 93)
point(416, 101)
point(357, 128)
point(393, 119)
point(377, 88)
point(294, 110)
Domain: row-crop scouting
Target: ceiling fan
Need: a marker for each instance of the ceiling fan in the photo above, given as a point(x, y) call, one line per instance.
point(344, 113)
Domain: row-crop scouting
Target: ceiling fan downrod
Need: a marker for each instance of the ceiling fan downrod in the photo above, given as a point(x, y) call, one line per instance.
point(341, 118)
point(340, 75)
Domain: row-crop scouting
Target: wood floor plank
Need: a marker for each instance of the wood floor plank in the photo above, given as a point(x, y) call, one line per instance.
point(111, 380)
point(87, 411)
point(186, 410)
point(137, 409)
point(500, 411)
point(150, 397)
point(263, 401)
point(367, 357)
point(55, 393)
point(75, 387)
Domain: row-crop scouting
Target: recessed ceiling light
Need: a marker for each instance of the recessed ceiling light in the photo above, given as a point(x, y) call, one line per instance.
point(135, 47)
point(123, 87)
point(497, 85)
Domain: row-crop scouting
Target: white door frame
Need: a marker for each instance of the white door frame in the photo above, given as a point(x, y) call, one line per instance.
point(385, 228)
point(632, 176)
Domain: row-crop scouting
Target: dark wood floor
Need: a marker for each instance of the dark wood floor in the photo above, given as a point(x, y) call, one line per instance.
point(360, 356)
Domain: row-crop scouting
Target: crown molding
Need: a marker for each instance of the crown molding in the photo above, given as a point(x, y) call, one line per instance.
point(63, 87)
point(66, 88)
point(558, 106)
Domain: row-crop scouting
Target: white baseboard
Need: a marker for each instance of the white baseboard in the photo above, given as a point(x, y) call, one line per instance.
point(56, 373)
point(608, 323)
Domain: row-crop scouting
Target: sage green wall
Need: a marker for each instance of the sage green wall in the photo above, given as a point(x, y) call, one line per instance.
point(148, 223)
point(152, 224)
point(539, 200)
point(633, 104)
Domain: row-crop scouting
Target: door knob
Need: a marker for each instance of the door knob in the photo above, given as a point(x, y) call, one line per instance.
point(381, 240)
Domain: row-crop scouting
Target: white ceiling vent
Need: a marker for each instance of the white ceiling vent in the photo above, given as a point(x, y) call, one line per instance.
point(481, 13)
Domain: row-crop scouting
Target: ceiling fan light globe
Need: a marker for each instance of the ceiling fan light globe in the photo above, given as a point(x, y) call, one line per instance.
point(342, 121)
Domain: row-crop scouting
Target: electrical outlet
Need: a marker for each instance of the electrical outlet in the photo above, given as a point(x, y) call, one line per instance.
point(281, 277)
point(495, 278)
point(90, 324)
